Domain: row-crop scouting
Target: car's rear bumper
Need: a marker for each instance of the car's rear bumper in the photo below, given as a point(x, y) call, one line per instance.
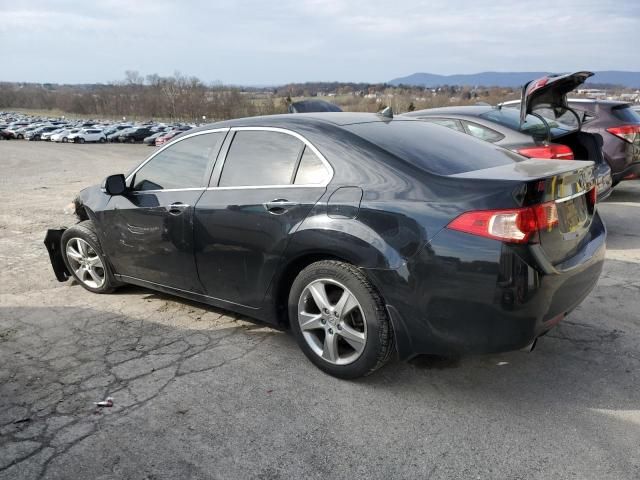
point(631, 172)
point(465, 294)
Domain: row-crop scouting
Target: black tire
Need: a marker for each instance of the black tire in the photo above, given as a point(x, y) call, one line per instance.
point(102, 140)
point(86, 231)
point(379, 337)
point(65, 140)
point(132, 140)
point(20, 136)
point(81, 140)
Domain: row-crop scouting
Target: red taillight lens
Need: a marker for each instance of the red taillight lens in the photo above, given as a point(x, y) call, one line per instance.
point(553, 150)
point(514, 225)
point(592, 196)
point(629, 133)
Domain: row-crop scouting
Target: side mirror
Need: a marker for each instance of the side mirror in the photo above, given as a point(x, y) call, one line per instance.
point(115, 184)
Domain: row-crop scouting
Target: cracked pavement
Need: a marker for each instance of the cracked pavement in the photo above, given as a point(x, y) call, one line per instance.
point(203, 393)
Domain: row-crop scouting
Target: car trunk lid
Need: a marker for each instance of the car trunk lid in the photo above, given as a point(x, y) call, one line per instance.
point(560, 194)
point(550, 92)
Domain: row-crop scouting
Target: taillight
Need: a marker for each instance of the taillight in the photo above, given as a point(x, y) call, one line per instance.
point(553, 150)
point(515, 225)
point(629, 133)
point(592, 196)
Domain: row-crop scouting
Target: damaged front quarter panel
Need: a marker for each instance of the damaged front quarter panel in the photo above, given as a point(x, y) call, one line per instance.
point(53, 238)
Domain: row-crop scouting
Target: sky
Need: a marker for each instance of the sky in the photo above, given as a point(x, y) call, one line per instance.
point(253, 42)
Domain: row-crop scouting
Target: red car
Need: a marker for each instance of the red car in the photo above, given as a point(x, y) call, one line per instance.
point(162, 139)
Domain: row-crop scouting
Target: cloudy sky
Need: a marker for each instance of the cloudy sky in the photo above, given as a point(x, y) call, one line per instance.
point(254, 42)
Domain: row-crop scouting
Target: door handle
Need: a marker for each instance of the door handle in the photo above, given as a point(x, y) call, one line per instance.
point(177, 208)
point(279, 206)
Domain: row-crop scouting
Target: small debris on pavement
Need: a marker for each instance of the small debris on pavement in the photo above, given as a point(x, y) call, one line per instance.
point(107, 402)
point(500, 364)
point(22, 420)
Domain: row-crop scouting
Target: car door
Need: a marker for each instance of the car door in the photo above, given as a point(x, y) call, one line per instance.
point(260, 193)
point(149, 229)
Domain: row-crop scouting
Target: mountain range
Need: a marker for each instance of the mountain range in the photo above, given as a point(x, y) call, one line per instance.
point(510, 79)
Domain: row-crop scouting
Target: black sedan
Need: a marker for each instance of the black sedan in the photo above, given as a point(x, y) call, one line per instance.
point(367, 236)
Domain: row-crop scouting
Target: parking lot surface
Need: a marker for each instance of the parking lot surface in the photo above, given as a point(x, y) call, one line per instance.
point(203, 393)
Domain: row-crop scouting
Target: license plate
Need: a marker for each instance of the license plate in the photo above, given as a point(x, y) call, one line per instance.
point(572, 214)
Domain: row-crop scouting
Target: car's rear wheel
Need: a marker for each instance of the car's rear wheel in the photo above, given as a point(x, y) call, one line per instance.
point(81, 140)
point(339, 319)
point(20, 136)
point(85, 260)
point(65, 139)
point(102, 140)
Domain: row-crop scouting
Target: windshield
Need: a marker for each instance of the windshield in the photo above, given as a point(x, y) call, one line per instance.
point(510, 117)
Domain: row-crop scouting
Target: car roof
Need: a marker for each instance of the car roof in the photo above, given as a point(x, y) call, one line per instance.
point(338, 119)
point(598, 101)
point(471, 110)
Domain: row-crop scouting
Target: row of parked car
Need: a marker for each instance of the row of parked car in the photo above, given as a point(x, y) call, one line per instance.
point(15, 126)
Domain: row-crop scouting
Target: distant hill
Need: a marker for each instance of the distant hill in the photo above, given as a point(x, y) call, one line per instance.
point(511, 79)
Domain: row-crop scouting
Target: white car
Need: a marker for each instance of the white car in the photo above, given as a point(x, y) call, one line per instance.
point(63, 136)
point(46, 136)
point(87, 135)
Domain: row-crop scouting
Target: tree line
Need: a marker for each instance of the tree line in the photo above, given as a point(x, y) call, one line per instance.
point(186, 98)
point(176, 97)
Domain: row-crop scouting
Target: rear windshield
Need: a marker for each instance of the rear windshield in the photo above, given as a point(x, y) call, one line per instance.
point(510, 117)
point(433, 148)
point(626, 114)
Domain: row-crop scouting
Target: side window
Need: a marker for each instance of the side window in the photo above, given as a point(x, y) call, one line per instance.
point(182, 165)
point(258, 157)
point(446, 122)
point(483, 133)
point(311, 169)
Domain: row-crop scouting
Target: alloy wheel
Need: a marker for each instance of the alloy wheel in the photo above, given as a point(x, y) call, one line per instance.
point(85, 262)
point(332, 321)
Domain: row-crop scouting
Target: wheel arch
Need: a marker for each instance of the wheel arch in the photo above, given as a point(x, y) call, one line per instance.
point(288, 273)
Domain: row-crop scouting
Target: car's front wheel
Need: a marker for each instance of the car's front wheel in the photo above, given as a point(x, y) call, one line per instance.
point(85, 260)
point(339, 319)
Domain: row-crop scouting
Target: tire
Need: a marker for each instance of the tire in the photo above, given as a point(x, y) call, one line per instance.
point(82, 239)
point(65, 140)
point(132, 140)
point(366, 322)
point(102, 140)
point(81, 140)
point(20, 136)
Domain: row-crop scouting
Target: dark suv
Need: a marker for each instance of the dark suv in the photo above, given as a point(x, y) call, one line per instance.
point(619, 125)
point(134, 135)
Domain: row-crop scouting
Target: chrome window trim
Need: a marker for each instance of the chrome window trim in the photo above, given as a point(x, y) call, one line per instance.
point(171, 143)
point(570, 197)
point(307, 143)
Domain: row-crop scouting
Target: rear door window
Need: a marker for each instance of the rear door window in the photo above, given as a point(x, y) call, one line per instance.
point(311, 170)
point(482, 132)
point(260, 158)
